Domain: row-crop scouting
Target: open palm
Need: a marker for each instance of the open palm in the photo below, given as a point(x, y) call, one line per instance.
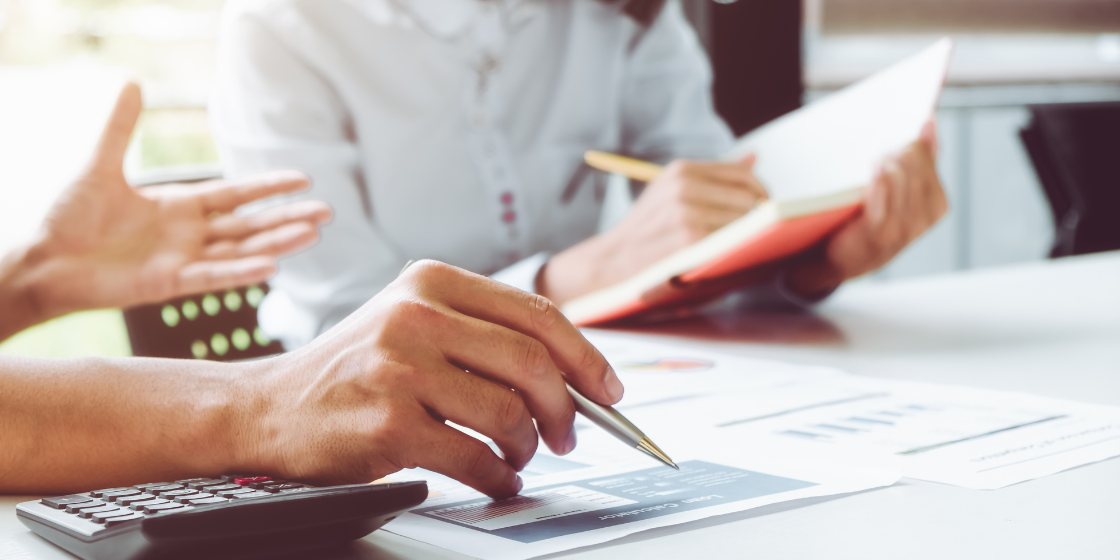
point(106, 244)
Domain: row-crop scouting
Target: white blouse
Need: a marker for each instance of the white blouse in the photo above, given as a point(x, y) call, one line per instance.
point(447, 129)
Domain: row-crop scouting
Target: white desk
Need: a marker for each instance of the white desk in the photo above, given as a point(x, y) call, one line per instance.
point(1051, 328)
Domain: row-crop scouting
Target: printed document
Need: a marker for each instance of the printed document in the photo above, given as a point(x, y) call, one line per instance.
point(593, 505)
point(950, 434)
point(748, 433)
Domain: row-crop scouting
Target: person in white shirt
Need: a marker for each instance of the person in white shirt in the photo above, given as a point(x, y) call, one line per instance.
point(454, 130)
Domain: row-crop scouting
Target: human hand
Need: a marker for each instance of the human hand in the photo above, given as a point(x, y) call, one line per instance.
point(685, 203)
point(903, 201)
point(105, 244)
point(371, 396)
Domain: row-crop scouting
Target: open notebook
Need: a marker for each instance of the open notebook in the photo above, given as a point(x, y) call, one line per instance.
point(815, 163)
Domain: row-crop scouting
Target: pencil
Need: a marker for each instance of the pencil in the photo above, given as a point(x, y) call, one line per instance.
point(613, 163)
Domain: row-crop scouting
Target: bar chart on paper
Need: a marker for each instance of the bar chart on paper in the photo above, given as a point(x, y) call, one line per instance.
point(957, 435)
point(902, 426)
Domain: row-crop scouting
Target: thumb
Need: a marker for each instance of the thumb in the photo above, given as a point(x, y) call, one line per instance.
point(748, 160)
point(108, 157)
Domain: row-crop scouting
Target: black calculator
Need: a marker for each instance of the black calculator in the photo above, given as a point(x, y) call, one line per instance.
point(232, 516)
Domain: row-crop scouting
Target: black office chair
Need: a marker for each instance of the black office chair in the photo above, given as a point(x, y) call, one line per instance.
point(1075, 150)
point(219, 326)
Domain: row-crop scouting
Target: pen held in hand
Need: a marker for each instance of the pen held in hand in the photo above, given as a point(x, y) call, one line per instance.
point(610, 419)
point(618, 426)
point(631, 168)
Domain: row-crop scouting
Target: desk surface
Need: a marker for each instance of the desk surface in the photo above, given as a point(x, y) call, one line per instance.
point(1050, 328)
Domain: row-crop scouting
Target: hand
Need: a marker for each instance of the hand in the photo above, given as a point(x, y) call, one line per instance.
point(372, 395)
point(685, 203)
point(105, 244)
point(903, 201)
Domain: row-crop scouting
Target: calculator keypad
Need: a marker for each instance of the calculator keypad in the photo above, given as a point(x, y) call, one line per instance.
point(112, 507)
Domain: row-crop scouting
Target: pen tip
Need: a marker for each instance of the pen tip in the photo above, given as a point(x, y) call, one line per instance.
point(651, 448)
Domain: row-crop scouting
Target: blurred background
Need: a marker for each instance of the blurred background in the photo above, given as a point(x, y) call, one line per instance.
point(61, 62)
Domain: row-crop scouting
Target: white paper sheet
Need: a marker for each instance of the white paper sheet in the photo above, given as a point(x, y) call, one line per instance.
point(721, 416)
point(955, 435)
point(836, 143)
point(589, 506)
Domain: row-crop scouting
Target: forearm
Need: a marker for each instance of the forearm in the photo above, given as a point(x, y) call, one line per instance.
point(18, 306)
point(70, 425)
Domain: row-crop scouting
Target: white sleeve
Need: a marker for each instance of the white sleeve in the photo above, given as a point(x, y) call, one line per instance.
point(270, 110)
point(667, 108)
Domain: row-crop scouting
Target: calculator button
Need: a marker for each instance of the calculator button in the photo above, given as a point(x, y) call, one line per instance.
point(228, 493)
point(75, 508)
point(282, 487)
point(139, 506)
point(200, 484)
point(114, 521)
point(216, 489)
point(266, 484)
point(63, 501)
point(248, 495)
point(172, 494)
point(232, 477)
point(129, 500)
point(251, 479)
point(145, 487)
point(98, 493)
point(157, 490)
point(188, 497)
point(162, 507)
point(206, 501)
point(101, 517)
point(112, 496)
point(87, 513)
point(190, 481)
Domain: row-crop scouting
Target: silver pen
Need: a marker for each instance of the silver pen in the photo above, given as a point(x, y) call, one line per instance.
point(611, 420)
point(618, 426)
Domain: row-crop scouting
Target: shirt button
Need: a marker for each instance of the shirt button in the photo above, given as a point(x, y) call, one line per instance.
point(507, 198)
point(509, 216)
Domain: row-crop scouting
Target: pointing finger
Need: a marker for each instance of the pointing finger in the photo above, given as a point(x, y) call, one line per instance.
point(225, 196)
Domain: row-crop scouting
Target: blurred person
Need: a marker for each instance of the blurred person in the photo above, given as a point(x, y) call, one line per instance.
point(455, 129)
point(365, 400)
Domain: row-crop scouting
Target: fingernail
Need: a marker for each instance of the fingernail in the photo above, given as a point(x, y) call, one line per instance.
point(613, 385)
point(518, 484)
point(570, 442)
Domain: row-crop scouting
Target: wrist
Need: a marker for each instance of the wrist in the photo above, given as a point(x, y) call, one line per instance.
point(242, 426)
point(578, 270)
